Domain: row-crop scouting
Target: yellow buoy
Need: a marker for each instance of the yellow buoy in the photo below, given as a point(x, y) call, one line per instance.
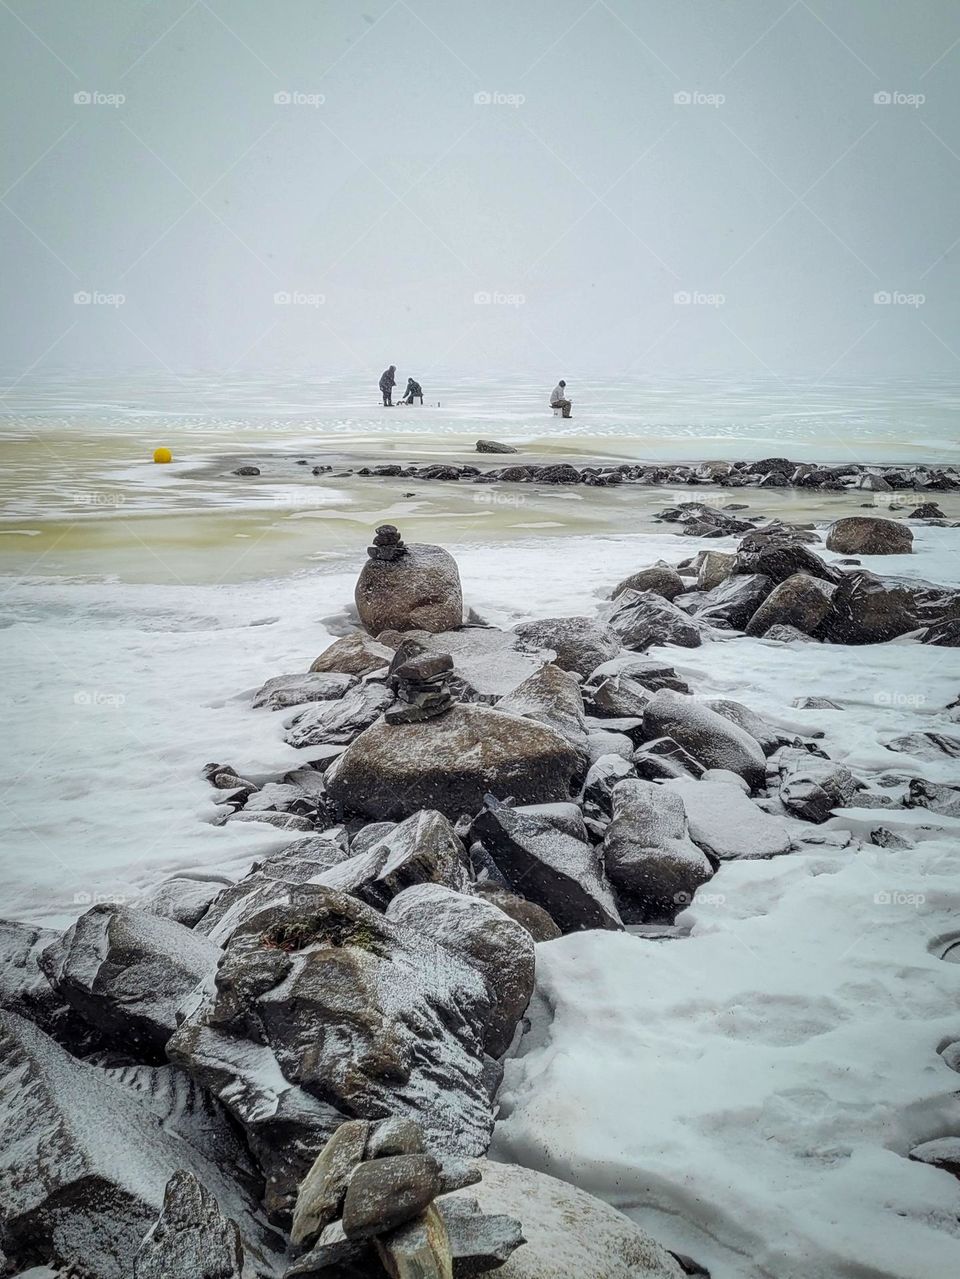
point(162, 455)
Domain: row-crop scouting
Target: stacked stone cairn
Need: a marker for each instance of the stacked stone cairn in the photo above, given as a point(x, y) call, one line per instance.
point(420, 682)
point(387, 544)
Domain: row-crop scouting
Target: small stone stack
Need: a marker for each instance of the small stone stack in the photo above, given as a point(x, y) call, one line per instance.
point(421, 687)
point(387, 544)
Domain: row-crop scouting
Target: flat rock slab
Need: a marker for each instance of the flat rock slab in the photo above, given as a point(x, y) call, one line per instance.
point(727, 823)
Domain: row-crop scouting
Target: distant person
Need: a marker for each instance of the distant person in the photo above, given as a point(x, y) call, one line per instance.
point(558, 398)
point(413, 392)
point(387, 382)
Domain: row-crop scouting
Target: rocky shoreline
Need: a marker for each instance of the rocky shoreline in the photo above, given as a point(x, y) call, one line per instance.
point(297, 1073)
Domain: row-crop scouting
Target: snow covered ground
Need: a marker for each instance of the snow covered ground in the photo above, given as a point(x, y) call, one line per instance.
point(748, 1093)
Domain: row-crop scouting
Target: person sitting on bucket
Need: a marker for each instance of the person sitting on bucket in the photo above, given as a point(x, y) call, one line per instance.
point(558, 398)
point(413, 392)
point(387, 383)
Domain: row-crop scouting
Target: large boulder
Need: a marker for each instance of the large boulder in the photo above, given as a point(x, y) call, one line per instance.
point(712, 740)
point(183, 898)
point(419, 591)
point(483, 935)
point(811, 787)
point(84, 1164)
point(450, 763)
point(642, 618)
point(580, 643)
point(354, 654)
point(551, 697)
point(869, 535)
point(650, 672)
point(870, 610)
point(715, 568)
point(662, 579)
point(568, 1233)
point(801, 601)
point(648, 852)
point(23, 987)
point(562, 874)
point(779, 558)
point(324, 1010)
point(126, 972)
point(733, 601)
point(727, 824)
point(192, 1238)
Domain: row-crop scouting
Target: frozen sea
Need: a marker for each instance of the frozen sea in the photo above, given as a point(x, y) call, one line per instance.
point(749, 1093)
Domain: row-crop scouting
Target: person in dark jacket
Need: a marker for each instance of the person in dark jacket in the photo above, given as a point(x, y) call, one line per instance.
point(413, 392)
point(387, 382)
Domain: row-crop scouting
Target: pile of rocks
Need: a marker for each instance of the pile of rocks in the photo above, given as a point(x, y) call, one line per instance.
point(387, 545)
point(421, 686)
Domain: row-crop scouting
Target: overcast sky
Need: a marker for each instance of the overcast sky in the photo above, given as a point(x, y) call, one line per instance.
point(477, 186)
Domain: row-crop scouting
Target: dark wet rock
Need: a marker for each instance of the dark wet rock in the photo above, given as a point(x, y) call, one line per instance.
point(734, 601)
point(192, 1238)
point(562, 874)
point(323, 1189)
point(419, 591)
point(556, 473)
point(926, 511)
point(641, 619)
point(943, 634)
point(25, 990)
point(779, 558)
point(714, 568)
point(484, 936)
point(601, 778)
point(580, 643)
point(450, 763)
point(422, 686)
point(551, 697)
point(494, 446)
point(338, 723)
point(649, 672)
point(882, 837)
point(384, 1193)
point(617, 697)
point(711, 739)
point(800, 601)
point(928, 745)
point(182, 898)
point(421, 850)
point(354, 654)
point(869, 535)
point(247, 470)
point(869, 610)
point(810, 787)
point(727, 824)
point(661, 579)
point(661, 759)
point(292, 690)
point(325, 1010)
point(126, 972)
point(86, 1164)
point(936, 796)
point(537, 922)
point(648, 852)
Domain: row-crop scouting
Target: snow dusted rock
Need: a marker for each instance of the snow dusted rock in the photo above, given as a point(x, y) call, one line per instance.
point(934, 796)
point(537, 922)
point(568, 1232)
point(84, 1164)
point(715, 568)
point(800, 601)
point(580, 643)
point(709, 737)
point(733, 601)
point(491, 661)
point(941, 1152)
point(768, 735)
point(267, 882)
point(383, 1193)
point(450, 763)
point(779, 559)
point(325, 1010)
point(788, 634)
point(869, 535)
point(811, 786)
point(642, 618)
point(602, 742)
point(926, 745)
point(617, 696)
point(339, 722)
point(648, 672)
point(647, 849)
point(419, 591)
point(182, 898)
point(661, 758)
point(421, 850)
point(23, 987)
point(662, 579)
point(494, 446)
point(483, 935)
point(726, 823)
point(192, 1239)
point(601, 779)
point(127, 972)
point(322, 1191)
point(565, 817)
point(452, 1236)
point(282, 821)
point(354, 654)
point(292, 690)
point(551, 697)
point(563, 875)
point(869, 609)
